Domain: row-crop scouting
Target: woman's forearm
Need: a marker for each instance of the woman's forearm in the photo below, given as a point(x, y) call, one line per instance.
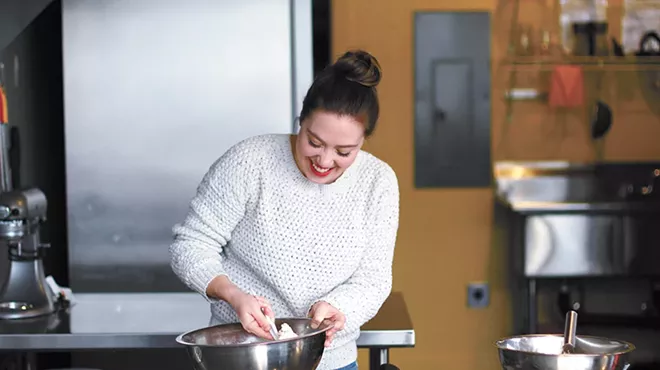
point(216, 209)
point(223, 289)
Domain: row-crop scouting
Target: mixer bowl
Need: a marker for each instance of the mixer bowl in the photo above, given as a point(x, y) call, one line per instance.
point(543, 352)
point(230, 347)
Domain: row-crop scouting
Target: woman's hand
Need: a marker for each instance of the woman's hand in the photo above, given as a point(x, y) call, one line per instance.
point(322, 311)
point(251, 310)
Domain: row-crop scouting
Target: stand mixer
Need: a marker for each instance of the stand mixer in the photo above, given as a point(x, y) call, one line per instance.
point(25, 293)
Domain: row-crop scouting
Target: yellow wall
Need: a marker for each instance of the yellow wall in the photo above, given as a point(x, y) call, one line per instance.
point(445, 236)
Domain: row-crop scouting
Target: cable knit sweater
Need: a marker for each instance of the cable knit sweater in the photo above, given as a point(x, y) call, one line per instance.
point(274, 233)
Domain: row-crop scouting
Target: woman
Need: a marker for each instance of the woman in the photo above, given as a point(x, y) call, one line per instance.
point(299, 225)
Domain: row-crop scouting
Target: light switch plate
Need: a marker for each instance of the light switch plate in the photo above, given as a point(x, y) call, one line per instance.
point(478, 295)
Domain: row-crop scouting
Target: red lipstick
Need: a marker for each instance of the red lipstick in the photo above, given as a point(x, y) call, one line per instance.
point(316, 172)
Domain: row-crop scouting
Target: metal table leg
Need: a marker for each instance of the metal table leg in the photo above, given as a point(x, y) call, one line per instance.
point(532, 315)
point(377, 357)
point(18, 360)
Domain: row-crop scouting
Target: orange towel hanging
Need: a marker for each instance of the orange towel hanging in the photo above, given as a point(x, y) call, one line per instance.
point(4, 116)
point(567, 87)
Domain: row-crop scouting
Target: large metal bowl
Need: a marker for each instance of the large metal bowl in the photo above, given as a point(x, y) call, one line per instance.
point(230, 347)
point(544, 352)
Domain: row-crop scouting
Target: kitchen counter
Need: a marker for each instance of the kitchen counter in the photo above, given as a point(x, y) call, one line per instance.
point(535, 207)
point(153, 320)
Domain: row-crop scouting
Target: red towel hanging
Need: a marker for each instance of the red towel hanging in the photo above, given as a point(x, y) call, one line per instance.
point(566, 87)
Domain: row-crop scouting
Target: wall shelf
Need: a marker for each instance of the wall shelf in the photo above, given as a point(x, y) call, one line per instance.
point(624, 64)
point(632, 64)
point(536, 36)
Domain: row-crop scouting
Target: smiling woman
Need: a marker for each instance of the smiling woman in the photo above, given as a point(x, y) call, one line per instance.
point(327, 145)
point(339, 111)
point(299, 225)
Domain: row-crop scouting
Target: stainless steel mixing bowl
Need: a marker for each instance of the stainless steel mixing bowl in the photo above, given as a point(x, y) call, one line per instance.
point(229, 347)
point(543, 352)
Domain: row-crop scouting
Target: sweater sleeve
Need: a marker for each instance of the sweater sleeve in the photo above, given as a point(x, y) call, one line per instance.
point(362, 295)
point(215, 210)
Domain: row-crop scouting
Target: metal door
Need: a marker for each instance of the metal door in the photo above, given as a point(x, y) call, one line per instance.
point(452, 99)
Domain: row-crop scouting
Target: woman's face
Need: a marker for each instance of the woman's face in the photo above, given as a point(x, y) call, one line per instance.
point(327, 145)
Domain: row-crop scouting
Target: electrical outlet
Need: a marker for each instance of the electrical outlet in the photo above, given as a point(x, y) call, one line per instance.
point(478, 295)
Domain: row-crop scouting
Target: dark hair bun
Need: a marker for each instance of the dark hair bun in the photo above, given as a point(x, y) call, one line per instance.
point(359, 66)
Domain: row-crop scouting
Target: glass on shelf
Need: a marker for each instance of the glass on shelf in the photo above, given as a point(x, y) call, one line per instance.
point(578, 11)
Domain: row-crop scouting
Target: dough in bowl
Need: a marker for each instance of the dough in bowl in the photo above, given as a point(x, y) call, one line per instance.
point(286, 332)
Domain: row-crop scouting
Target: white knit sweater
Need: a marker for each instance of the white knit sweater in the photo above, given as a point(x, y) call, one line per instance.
point(276, 234)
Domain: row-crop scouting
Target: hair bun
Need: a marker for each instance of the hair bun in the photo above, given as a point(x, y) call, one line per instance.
point(359, 66)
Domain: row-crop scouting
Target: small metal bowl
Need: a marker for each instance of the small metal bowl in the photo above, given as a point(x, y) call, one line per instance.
point(544, 351)
point(230, 347)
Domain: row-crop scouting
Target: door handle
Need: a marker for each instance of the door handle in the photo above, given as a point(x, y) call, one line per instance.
point(439, 115)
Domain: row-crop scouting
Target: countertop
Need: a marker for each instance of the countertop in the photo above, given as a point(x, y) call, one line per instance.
point(528, 207)
point(153, 320)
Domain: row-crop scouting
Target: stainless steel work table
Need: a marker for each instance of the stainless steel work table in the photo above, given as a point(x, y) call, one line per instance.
point(153, 320)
